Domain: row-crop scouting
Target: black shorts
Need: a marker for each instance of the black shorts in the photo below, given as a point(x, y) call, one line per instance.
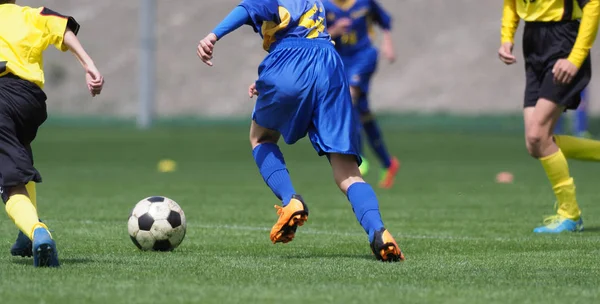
point(544, 43)
point(22, 111)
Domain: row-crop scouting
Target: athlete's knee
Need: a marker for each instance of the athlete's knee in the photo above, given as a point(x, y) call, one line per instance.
point(539, 124)
point(345, 170)
point(260, 135)
point(533, 145)
point(258, 139)
point(536, 140)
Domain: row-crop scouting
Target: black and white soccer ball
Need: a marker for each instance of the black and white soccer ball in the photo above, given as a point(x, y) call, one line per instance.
point(157, 223)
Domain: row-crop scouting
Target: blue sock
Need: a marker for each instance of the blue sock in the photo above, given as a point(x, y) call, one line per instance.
point(366, 207)
point(376, 142)
point(581, 119)
point(558, 128)
point(271, 165)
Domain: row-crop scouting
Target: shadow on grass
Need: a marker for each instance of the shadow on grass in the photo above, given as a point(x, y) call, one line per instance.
point(66, 261)
point(591, 229)
point(333, 256)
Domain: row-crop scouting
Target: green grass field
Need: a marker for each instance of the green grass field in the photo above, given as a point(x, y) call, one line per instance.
point(466, 238)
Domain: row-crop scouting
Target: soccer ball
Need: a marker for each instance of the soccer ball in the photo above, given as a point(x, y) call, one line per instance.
point(157, 223)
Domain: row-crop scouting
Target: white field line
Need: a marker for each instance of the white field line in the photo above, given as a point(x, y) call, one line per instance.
point(302, 230)
point(399, 236)
point(313, 231)
point(355, 234)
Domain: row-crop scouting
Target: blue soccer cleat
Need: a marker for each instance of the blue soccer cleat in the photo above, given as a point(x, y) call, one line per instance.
point(558, 224)
point(22, 246)
point(44, 249)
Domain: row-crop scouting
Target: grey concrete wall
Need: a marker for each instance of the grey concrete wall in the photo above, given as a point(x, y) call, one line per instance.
point(446, 48)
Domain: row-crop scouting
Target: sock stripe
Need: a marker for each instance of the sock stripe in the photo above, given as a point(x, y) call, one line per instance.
point(268, 178)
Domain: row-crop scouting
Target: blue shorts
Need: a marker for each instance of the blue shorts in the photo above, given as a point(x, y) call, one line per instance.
point(303, 90)
point(360, 67)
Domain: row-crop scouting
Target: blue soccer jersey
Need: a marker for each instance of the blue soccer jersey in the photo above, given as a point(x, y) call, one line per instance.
point(364, 14)
point(302, 86)
point(275, 20)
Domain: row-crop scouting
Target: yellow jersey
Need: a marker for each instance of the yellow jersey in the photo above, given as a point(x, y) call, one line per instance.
point(25, 33)
point(588, 11)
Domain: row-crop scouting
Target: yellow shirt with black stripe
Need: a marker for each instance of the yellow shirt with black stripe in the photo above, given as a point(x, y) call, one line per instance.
point(588, 11)
point(25, 33)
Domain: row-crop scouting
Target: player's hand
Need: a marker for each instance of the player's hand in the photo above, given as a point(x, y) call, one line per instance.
point(506, 53)
point(341, 27)
point(205, 48)
point(94, 80)
point(564, 71)
point(387, 49)
point(252, 90)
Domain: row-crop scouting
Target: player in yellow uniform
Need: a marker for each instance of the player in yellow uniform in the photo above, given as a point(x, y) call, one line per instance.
point(557, 39)
point(25, 33)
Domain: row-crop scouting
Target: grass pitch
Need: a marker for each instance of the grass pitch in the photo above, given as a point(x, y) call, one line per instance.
point(466, 238)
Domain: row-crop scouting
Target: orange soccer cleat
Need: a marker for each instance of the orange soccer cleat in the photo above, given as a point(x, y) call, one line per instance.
point(389, 174)
point(290, 217)
point(385, 247)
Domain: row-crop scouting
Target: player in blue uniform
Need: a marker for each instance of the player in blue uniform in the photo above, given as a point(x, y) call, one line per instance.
point(351, 26)
point(302, 89)
point(579, 119)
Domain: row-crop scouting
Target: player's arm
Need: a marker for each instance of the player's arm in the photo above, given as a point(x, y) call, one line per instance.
point(587, 31)
point(339, 27)
point(384, 20)
point(93, 78)
point(61, 32)
point(381, 16)
point(238, 17)
point(510, 22)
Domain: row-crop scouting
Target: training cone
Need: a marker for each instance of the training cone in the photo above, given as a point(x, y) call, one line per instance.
point(504, 178)
point(166, 165)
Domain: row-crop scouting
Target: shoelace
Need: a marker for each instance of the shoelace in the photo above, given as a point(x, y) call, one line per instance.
point(553, 219)
point(279, 210)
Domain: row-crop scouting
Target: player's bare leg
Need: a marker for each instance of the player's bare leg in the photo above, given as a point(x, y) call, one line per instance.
point(539, 125)
point(365, 206)
point(270, 162)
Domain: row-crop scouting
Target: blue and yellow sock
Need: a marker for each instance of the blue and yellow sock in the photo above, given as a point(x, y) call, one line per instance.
point(366, 207)
point(271, 165)
point(376, 142)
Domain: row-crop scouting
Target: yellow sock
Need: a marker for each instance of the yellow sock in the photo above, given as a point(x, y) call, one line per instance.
point(32, 193)
point(578, 148)
point(23, 213)
point(557, 171)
